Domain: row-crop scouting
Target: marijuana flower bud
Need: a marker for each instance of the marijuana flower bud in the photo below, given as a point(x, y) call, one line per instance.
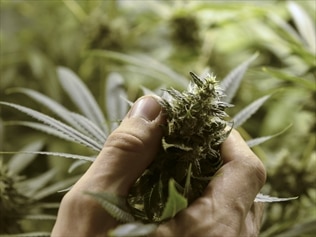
point(13, 204)
point(190, 154)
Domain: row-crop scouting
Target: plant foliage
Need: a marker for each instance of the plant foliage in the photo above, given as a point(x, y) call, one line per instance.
point(117, 47)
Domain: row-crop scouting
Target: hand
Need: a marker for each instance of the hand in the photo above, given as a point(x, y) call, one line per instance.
point(225, 209)
point(227, 206)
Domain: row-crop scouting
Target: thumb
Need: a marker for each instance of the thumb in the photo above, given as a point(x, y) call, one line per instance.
point(129, 149)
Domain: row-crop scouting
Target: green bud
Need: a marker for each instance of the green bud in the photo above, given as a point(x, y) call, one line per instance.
point(195, 128)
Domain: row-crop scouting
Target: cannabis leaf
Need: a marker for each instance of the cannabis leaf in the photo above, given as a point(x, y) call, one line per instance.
point(175, 203)
point(266, 198)
point(115, 205)
point(81, 96)
point(69, 132)
point(304, 24)
point(257, 141)
point(33, 234)
point(231, 82)
point(133, 229)
point(248, 111)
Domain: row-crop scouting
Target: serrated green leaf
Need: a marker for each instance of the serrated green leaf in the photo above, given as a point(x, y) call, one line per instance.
point(157, 69)
point(116, 107)
point(259, 140)
point(81, 96)
point(231, 82)
point(304, 24)
point(175, 202)
point(55, 187)
point(48, 153)
point(292, 35)
point(90, 128)
point(43, 128)
point(311, 85)
point(76, 164)
point(75, 120)
point(115, 205)
point(266, 198)
point(33, 234)
point(58, 125)
point(134, 229)
point(247, 112)
point(50, 104)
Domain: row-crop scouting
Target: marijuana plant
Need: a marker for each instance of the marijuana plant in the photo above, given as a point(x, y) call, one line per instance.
point(21, 198)
point(196, 126)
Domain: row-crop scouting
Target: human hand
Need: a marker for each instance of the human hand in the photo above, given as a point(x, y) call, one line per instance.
point(227, 206)
point(225, 209)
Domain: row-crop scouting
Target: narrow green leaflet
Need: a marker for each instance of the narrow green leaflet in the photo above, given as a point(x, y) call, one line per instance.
point(115, 205)
point(304, 24)
point(81, 96)
point(248, 111)
point(33, 234)
point(76, 164)
point(48, 153)
point(58, 125)
point(43, 128)
point(158, 70)
point(311, 85)
point(116, 106)
point(175, 203)
point(75, 120)
point(133, 229)
point(50, 104)
point(266, 198)
point(55, 187)
point(90, 128)
point(259, 140)
point(231, 82)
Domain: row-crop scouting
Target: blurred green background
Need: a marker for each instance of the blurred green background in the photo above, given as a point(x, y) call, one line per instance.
point(147, 42)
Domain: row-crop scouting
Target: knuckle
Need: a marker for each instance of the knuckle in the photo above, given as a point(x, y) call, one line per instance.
point(125, 142)
point(260, 172)
point(257, 169)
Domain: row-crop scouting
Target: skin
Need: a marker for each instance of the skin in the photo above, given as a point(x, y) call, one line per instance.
point(226, 208)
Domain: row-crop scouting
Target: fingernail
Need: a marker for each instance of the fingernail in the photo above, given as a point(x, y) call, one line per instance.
point(146, 107)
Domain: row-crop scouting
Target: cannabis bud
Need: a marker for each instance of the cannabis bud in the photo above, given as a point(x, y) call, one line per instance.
point(13, 204)
point(191, 148)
